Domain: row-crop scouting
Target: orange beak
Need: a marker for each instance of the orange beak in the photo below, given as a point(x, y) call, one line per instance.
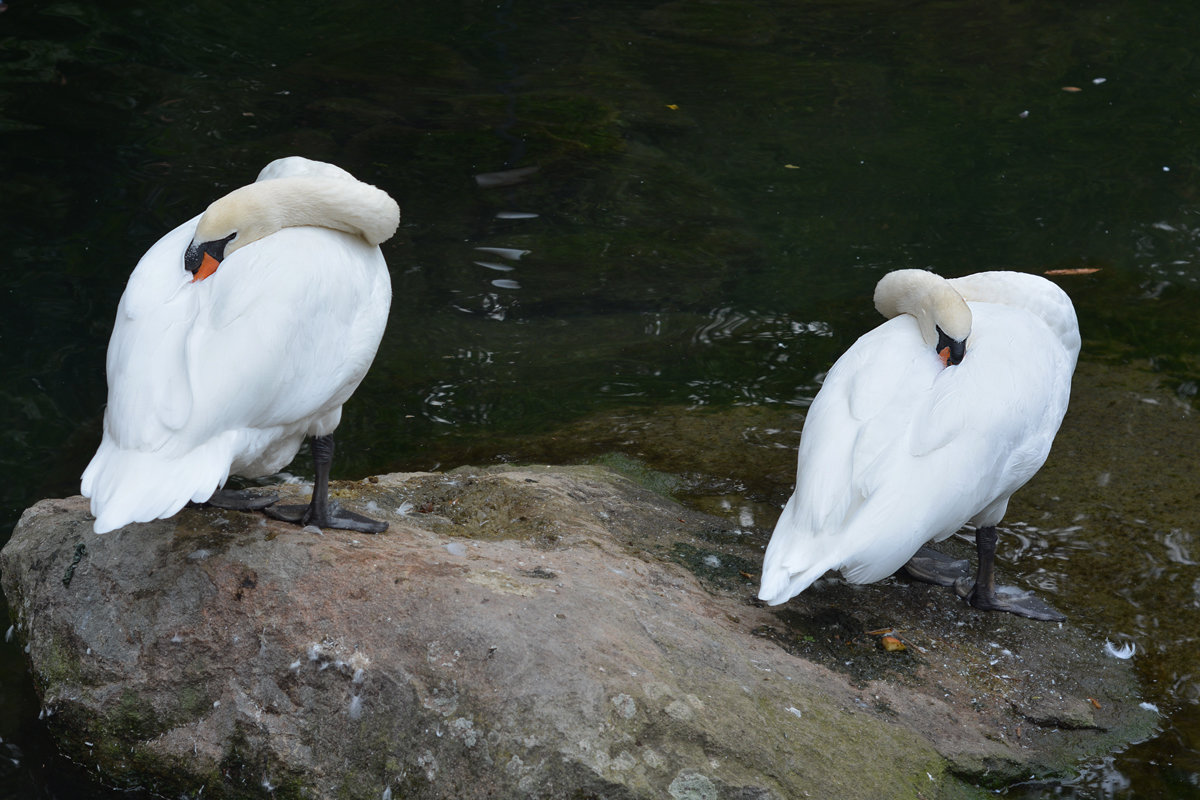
point(943, 354)
point(207, 267)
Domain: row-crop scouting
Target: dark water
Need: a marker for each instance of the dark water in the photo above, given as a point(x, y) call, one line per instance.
point(718, 187)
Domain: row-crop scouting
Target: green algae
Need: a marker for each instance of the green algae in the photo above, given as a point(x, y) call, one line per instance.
point(661, 483)
point(716, 568)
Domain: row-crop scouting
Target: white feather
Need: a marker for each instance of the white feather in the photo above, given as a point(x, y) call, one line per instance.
point(898, 450)
point(228, 374)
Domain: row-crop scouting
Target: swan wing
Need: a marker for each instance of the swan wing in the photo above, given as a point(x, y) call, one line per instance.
point(290, 329)
point(1037, 295)
point(870, 393)
point(846, 455)
point(150, 398)
point(230, 373)
point(897, 451)
point(149, 395)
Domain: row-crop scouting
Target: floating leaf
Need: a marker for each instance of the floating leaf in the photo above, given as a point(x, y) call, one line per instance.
point(1074, 271)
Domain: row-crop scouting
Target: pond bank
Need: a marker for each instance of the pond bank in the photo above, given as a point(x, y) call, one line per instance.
point(542, 632)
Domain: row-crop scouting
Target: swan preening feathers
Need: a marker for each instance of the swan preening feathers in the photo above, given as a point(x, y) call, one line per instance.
point(928, 422)
point(240, 333)
point(245, 329)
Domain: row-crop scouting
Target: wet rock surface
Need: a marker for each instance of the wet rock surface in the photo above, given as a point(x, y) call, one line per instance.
point(540, 632)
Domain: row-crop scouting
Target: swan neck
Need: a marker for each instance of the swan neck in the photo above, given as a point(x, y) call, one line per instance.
point(928, 298)
point(260, 209)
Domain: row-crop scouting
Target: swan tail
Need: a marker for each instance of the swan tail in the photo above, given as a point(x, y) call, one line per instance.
point(867, 546)
point(795, 557)
point(128, 486)
point(806, 558)
point(780, 584)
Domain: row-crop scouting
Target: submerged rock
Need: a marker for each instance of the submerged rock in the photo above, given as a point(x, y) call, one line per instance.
point(528, 632)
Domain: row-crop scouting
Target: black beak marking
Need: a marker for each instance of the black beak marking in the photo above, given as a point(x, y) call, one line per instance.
point(194, 255)
point(958, 349)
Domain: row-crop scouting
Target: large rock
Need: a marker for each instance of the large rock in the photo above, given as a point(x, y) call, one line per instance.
point(525, 632)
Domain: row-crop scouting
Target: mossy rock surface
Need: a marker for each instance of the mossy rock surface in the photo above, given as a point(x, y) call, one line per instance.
point(532, 632)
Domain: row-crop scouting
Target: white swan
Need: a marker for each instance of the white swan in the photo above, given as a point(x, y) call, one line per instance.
point(239, 333)
point(929, 421)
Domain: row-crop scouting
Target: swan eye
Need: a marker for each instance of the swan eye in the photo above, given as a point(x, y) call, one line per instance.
point(949, 349)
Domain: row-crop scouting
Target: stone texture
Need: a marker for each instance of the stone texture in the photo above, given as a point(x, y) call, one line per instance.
point(527, 632)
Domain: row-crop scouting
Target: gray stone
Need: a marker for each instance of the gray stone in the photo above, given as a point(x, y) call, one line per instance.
point(527, 632)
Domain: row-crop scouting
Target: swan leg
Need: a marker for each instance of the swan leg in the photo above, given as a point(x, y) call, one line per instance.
point(986, 595)
point(930, 566)
point(241, 500)
point(321, 511)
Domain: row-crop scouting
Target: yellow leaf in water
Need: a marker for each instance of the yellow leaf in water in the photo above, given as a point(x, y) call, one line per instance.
point(891, 643)
point(790, 166)
point(1075, 271)
point(672, 106)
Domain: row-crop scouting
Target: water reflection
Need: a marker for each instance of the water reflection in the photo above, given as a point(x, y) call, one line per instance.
point(769, 342)
point(437, 398)
point(511, 253)
point(622, 389)
point(724, 323)
point(491, 305)
point(1168, 252)
point(509, 177)
point(1105, 779)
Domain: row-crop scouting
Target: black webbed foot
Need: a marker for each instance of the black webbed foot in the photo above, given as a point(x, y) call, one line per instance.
point(241, 500)
point(1017, 601)
point(930, 566)
point(321, 511)
point(334, 517)
point(984, 594)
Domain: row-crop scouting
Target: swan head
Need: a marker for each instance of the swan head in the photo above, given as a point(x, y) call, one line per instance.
point(942, 315)
point(234, 221)
point(266, 206)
